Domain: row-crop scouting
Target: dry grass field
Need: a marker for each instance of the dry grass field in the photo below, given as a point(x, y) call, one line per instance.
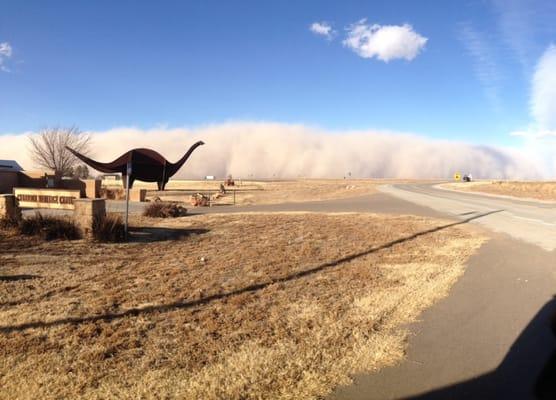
point(267, 192)
point(305, 190)
point(531, 190)
point(241, 306)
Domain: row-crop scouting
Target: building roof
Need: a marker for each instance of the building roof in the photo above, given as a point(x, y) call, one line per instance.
point(10, 165)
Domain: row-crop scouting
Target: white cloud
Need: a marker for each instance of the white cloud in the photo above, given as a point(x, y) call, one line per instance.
point(385, 42)
point(533, 133)
point(5, 49)
point(323, 29)
point(539, 145)
point(484, 62)
point(539, 138)
point(523, 27)
point(517, 22)
point(543, 93)
point(5, 53)
point(542, 102)
point(287, 151)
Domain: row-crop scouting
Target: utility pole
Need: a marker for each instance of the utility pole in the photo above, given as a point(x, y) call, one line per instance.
point(127, 199)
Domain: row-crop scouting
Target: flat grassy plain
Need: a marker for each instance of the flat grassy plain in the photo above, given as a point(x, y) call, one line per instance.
point(531, 190)
point(236, 306)
point(267, 192)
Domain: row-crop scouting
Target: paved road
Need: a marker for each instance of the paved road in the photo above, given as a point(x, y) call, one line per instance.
point(489, 339)
point(380, 203)
point(530, 221)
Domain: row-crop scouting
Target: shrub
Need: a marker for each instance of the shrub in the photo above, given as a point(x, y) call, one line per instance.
point(112, 193)
point(109, 229)
point(7, 223)
point(49, 227)
point(160, 209)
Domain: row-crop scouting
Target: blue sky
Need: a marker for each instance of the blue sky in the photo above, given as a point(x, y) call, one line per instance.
point(106, 64)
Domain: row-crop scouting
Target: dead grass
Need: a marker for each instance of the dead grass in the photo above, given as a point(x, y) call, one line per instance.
point(112, 193)
point(273, 192)
point(109, 229)
point(306, 190)
point(532, 190)
point(49, 227)
point(261, 306)
point(161, 209)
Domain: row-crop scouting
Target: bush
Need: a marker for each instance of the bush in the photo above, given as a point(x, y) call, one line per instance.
point(109, 229)
point(161, 209)
point(49, 227)
point(112, 193)
point(7, 223)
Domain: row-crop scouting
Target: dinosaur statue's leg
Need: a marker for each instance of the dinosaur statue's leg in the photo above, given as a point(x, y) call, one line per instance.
point(160, 185)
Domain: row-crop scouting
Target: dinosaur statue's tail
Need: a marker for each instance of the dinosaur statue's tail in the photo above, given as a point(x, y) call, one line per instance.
point(112, 167)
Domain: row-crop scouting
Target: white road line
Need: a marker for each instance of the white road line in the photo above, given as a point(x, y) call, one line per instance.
point(538, 221)
point(535, 225)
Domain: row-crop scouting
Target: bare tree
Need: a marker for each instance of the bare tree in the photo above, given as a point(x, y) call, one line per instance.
point(48, 148)
point(81, 172)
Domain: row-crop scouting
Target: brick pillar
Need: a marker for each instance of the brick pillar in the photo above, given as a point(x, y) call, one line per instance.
point(85, 213)
point(92, 188)
point(9, 207)
point(137, 195)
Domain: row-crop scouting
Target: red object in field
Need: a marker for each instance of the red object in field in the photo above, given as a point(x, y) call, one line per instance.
point(229, 181)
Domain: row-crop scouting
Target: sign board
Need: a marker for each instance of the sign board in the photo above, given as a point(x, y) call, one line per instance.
point(457, 176)
point(61, 199)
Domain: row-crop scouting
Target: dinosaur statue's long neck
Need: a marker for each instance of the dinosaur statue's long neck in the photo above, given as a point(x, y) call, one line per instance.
point(172, 168)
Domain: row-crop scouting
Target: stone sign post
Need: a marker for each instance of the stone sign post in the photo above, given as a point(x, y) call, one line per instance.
point(86, 212)
point(9, 207)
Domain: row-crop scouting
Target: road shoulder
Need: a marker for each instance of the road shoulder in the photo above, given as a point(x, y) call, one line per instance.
point(450, 188)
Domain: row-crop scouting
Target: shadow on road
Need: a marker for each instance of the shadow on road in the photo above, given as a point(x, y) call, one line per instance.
point(527, 372)
point(185, 304)
point(468, 213)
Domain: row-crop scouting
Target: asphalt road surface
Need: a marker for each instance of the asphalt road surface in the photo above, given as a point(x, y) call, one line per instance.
point(533, 222)
point(490, 338)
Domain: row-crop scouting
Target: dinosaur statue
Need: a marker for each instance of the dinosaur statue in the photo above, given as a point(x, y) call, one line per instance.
point(146, 165)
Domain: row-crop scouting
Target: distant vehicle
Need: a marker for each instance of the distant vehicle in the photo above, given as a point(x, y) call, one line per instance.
point(467, 178)
point(209, 177)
